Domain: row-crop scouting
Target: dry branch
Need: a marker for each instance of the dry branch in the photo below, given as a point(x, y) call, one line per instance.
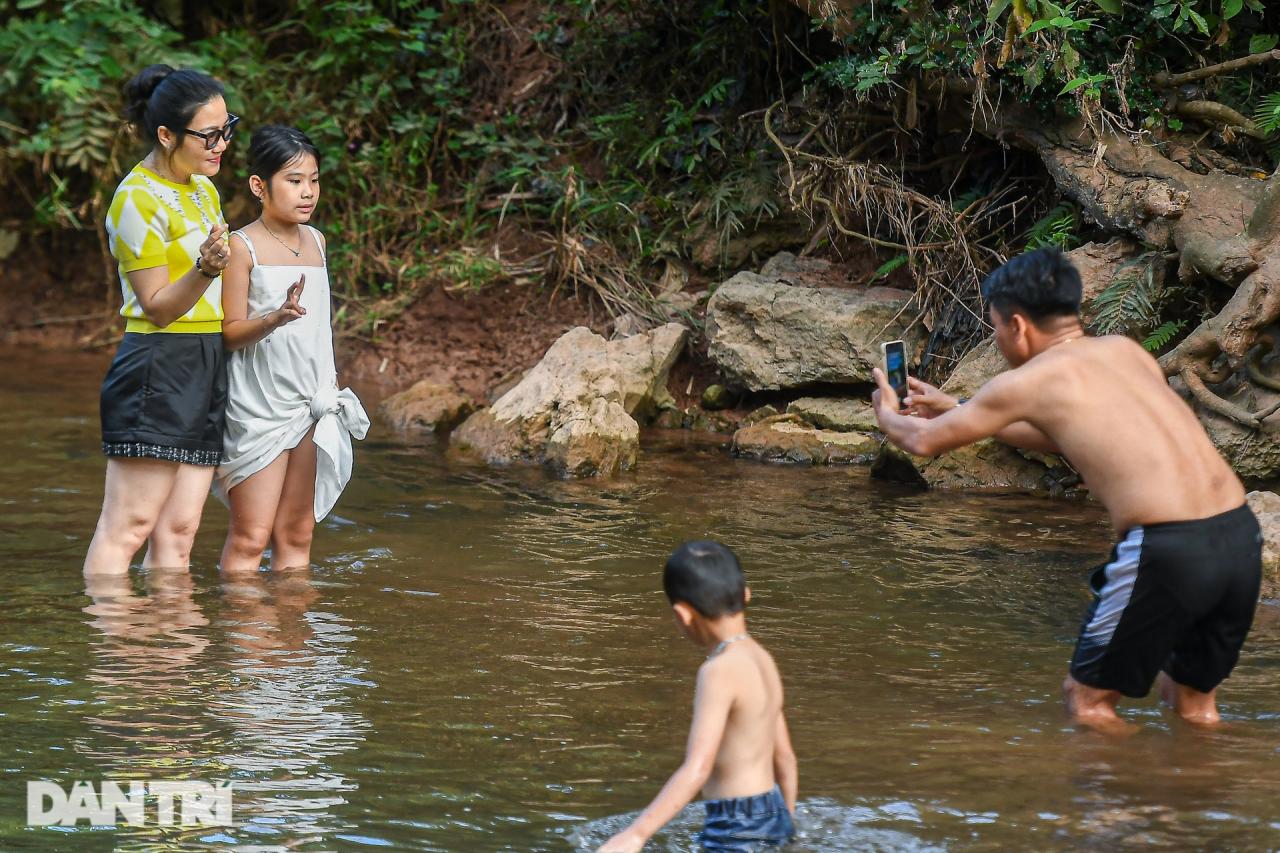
point(1165, 80)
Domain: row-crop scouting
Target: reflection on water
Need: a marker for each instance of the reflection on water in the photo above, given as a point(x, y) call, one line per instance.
point(287, 703)
point(484, 660)
point(150, 684)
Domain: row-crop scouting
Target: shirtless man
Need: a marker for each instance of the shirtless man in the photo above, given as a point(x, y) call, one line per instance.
point(739, 751)
point(1178, 595)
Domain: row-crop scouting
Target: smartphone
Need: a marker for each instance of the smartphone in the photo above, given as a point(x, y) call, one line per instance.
point(895, 368)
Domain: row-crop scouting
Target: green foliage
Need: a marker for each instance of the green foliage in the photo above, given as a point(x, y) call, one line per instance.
point(1267, 113)
point(436, 119)
point(59, 101)
point(1090, 58)
point(1163, 334)
point(896, 262)
point(1129, 304)
point(1056, 228)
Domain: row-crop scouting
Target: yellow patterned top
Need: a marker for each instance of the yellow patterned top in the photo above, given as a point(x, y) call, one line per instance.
point(153, 222)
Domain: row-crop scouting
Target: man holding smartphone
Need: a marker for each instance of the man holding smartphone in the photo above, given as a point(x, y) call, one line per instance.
point(1177, 597)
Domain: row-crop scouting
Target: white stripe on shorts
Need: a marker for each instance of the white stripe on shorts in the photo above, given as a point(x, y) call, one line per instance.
point(1121, 574)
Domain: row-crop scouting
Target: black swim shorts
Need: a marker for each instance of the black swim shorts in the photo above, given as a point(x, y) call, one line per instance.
point(1177, 597)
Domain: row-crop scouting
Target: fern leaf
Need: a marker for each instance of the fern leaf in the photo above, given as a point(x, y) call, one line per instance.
point(1055, 228)
point(1127, 303)
point(889, 266)
point(1161, 336)
point(1267, 113)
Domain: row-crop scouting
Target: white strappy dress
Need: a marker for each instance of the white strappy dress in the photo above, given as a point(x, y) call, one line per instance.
point(282, 385)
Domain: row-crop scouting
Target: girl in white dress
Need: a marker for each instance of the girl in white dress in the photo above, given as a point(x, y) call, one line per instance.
point(287, 449)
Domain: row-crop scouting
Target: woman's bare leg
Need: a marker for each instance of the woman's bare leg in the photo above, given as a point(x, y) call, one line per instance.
point(135, 493)
point(175, 530)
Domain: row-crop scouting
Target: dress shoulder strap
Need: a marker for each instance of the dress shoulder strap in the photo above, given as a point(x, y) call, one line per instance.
point(315, 233)
point(248, 243)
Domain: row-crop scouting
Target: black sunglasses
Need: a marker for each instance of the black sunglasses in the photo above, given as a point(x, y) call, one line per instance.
point(213, 137)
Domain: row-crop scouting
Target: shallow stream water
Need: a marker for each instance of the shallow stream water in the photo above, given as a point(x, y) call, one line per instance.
point(483, 660)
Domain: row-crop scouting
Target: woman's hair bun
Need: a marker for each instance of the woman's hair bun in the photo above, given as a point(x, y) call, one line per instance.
point(137, 92)
point(161, 96)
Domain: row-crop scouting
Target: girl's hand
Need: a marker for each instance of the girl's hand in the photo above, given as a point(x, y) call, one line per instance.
point(214, 251)
point(292, 308)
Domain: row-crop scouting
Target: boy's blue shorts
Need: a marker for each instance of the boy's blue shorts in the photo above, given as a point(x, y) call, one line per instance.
point(745, 824)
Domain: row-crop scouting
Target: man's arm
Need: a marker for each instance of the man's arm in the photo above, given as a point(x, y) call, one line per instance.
point(785, 770)
point(1026, 436)
point(997, 405)
point(926, 401)
point(711, 704)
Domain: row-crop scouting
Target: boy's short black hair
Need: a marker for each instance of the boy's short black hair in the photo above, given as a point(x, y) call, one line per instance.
point(1039, 284)
point(707, 576)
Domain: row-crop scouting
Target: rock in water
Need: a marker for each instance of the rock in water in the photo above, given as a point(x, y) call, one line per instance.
point(769, 335)
point(427, 407)
point(1266, 506)
point(842, 415)
point(786, 438)
point(575, 410)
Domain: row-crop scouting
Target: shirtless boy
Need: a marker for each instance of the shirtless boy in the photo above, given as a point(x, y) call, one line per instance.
point(1178, 595)
point(739, 752)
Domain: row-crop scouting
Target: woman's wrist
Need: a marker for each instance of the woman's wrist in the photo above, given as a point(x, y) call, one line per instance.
point(207, 273)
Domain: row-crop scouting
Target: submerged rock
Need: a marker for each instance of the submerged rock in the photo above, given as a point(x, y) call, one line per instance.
point(1266, 506)
point(576, 410)
point(769, 335)
point(786, 438)
point(427, 407)
point(840, 414)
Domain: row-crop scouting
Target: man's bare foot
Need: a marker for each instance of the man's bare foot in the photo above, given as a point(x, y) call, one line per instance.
point(1094, 708)
point(1189, 703)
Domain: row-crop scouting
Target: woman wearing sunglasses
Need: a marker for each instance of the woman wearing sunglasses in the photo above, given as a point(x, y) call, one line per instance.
point(163, 400)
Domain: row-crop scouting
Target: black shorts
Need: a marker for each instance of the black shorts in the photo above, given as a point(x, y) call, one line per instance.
point(1177, 596)
point(165, 397)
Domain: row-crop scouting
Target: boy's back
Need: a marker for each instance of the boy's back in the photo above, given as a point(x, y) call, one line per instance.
point(748, 678)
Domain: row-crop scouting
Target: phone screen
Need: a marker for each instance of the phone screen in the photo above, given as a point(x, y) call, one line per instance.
point(895, 367)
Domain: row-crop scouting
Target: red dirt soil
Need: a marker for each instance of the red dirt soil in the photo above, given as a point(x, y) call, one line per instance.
point(472, 340)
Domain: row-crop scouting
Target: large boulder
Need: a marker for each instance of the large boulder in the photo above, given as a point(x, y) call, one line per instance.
point(1266, 506)
point(426, 407)
point(768, 335)
point(837, 413)
point(787, 438)
point(576, 410)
